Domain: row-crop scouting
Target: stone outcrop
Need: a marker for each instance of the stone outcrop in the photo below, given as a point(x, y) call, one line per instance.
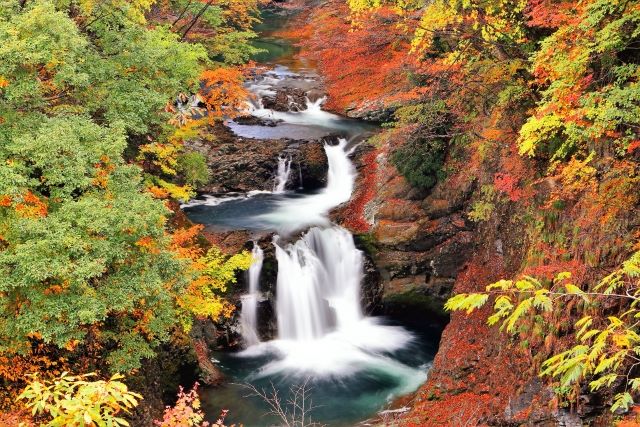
point(244, 164)
point(418, 240)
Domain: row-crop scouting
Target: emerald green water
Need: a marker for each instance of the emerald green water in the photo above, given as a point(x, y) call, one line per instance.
point(278, 50)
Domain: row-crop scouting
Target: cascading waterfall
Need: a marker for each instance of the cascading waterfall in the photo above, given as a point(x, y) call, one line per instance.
point(249, 311)
point(318, 284)
point(355, 363)
point(299, 213)
point(322, 331)
point(282, 174)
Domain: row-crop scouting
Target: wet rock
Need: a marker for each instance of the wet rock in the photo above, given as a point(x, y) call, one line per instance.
point(256, 121)
point(205, 336)
point(370, 110)
point(286, 99)
point(244, 164)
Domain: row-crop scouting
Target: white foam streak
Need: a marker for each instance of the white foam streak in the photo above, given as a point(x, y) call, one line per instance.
point(313, 115)
point(282, 174)
point(296, 214)
point(249, 311)
point(209, 200)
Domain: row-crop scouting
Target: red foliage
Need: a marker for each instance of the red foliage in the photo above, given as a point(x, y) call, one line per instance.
point(550, 13)
point(360, 65)
point(354, 212)
point(508, 184)
point(466, 340)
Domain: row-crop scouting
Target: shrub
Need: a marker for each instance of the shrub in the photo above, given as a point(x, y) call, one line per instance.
point(193, 167)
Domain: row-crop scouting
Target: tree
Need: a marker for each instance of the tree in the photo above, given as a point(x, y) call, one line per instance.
point(606, 346)
point(223, 93)
point(87, 262)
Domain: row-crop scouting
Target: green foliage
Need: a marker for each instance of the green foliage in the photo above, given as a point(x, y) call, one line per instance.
point(84, 247)
point(421, 157)
point(231, 20)
point(603, 355)
point(482, 209)
point(74, 401)
point(420, 161)
point(588, 70)
point(193, 167)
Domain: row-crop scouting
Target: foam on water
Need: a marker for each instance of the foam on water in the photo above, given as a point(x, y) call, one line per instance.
point(299, 213)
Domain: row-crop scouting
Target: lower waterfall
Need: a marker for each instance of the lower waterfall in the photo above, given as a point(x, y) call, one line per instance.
point(249, 310)
point(318, 284)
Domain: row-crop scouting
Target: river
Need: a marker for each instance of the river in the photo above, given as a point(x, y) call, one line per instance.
point(353, 364)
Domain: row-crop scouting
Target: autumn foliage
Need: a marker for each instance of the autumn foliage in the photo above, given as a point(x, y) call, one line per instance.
point(535, 107)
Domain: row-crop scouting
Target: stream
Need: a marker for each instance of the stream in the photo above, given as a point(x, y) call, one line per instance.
point(353, 365)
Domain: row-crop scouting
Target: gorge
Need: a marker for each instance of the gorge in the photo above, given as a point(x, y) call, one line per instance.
point(354, 364)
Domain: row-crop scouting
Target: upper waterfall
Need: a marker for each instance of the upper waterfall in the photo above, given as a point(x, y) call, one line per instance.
point(296, 214)
point(282, 174)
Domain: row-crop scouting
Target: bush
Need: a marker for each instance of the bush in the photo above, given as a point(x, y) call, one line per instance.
point(421, 158)
point(193, 167)
point(420, 161)
point(73, 401)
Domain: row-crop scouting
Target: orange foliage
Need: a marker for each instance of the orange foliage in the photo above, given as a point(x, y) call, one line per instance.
point(363, 64)
point(223, 92)
point(31, 206)
point(103, 169)
point(149, 244)
point(158, 192)
point(183, 242)
point(15, 368)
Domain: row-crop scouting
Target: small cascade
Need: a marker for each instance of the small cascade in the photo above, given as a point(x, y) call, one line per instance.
point(316, 106)
point(318, 284)
point(249, 311)
point(301, 184)
point(282, 174)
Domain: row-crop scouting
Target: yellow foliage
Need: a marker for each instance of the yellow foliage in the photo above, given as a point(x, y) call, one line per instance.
point(213, 273)
point(536, 130)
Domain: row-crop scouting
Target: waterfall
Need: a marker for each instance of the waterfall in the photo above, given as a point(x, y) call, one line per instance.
point(299, 213)
point(282, 174)
point(318, 284)
point(249, 311)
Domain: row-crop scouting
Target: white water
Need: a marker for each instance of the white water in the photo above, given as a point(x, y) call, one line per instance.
point(296, 214)
point(318, 284)
point(282, 174)
point(313, 115)
point(249, 311)
point(322, 331)
point(209, 200)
